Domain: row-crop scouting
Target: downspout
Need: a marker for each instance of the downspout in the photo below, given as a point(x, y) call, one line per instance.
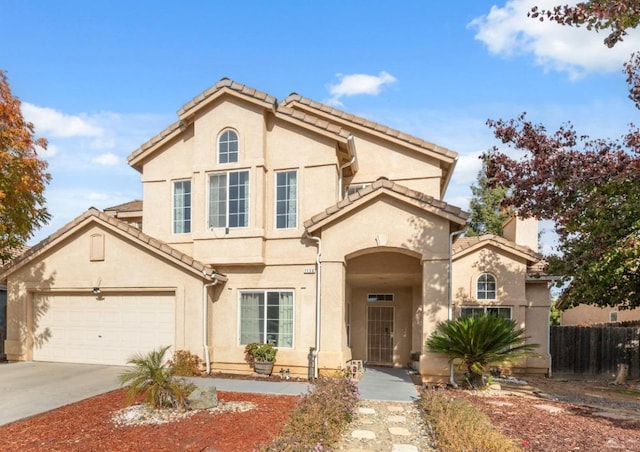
point(351, 146)
point(205, 318)
point(318, 282)
point(452, 381)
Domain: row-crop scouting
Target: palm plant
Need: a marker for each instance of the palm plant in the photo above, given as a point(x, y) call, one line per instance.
point(478, 341)
point(154, 380)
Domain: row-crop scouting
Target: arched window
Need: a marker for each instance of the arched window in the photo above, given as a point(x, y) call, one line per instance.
point(486, 287)
point(228, 147)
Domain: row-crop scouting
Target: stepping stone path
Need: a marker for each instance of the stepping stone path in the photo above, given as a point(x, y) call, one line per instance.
point(385, 426)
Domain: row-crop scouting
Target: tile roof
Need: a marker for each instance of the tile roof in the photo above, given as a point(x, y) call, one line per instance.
point(464, 244)
point(131, 232)
point(233, 86)
point(131, 206)
point(455, 213)
point(294, 98)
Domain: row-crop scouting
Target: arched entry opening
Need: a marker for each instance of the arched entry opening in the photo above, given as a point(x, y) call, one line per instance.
point(384, 306)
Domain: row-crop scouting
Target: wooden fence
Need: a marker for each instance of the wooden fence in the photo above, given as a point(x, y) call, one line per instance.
point(595, 350)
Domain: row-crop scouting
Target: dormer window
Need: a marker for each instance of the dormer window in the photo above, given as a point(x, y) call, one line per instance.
point(228, 147)
point(486, 287)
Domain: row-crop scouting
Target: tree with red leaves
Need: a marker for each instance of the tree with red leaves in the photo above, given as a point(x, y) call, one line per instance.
point(589, 187)
point(23, 175)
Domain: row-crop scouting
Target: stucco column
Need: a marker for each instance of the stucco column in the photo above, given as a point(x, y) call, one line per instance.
point(332, 327)
point(433, 366)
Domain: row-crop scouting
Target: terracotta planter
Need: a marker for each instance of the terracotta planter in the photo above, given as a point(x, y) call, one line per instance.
point(264, 368)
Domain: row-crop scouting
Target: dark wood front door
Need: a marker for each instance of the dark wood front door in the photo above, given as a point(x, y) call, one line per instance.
point(380, 335)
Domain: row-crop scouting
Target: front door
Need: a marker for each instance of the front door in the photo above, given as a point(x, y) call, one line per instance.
point(380, 335)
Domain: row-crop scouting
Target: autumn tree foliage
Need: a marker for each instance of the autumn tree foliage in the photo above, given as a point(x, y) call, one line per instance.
point(487, 214)
point(617, 16)
point(589, 187)
point(23, 175)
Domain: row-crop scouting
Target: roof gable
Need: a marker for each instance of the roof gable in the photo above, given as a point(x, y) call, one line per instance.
point(120, 228)
point(226, 87)
point(447, 157)
point(386, 187)
point(468, 245)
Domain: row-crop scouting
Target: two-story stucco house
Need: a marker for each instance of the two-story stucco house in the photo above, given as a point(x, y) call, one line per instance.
point(286, 222)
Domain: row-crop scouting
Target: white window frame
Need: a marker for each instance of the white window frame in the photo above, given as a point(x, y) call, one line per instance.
point(227, 201)
point(185, 221)
point(487, 309)
point(495, 288)
point(219, 144)
point(380, 297)
point(265, 293)
point(286, 201)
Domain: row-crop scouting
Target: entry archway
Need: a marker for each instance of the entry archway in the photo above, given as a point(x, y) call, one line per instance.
point(384, 305)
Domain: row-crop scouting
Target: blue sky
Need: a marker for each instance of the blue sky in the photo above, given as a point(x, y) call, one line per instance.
point(100, 78)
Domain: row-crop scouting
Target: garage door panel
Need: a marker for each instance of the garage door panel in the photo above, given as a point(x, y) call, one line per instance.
point(109, 330)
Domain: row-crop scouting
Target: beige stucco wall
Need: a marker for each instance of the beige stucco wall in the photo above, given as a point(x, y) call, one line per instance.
point(589, 314)
point(529, 301)
point(415, 170)
point(126, 268)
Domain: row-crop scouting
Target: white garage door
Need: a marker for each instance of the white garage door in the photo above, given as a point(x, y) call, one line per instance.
point(105, 330)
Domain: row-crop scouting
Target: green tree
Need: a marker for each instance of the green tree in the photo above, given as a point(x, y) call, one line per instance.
point(479, 341)
point(23, 175)
point(153, 379)
point(487, 213)
point(589, 187)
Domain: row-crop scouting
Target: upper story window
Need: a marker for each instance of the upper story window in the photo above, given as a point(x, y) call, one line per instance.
point(182, 207)
point(229, 199)
point(266, 317)
point(486, 287)
point(228, 147)
point(467, 311)
point(286, 199)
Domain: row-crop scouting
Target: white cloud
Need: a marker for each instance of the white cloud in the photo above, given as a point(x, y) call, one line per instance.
point(95, 196)
point(50, 122)
point(467, 168)
point(355, 84)
point(51, 151)
point(108, 159)
point(507, 31)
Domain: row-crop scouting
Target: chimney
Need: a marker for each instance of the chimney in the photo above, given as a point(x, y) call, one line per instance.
point(522, 231)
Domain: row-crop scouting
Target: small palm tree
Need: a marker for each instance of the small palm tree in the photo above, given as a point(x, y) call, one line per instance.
point(478, 341)
point(153, 379)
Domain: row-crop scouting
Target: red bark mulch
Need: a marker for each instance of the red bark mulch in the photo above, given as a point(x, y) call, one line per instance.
point(87, 426)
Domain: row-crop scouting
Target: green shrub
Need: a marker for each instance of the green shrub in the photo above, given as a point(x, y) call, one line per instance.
point(458, 426)
point(478, 341)
point(320, 418)
point(185, 364)
point(153, 379)
point(262, 353)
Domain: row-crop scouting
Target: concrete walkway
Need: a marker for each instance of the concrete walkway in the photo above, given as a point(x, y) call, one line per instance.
point(30, 388)
point(387, 383)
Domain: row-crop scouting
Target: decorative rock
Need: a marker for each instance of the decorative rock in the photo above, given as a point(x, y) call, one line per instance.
point(404, 448)
point(400, 419)
point(395, 409)
point(363, 434)
point(400, 431)
point(203, 398)
point(549, 408)
point(364, 410)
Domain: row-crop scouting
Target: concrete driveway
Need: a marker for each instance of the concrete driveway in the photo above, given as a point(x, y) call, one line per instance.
point(29, 388)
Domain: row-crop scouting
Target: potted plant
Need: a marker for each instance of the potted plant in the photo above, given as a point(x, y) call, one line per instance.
point(262, 356)
point(415, 361)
